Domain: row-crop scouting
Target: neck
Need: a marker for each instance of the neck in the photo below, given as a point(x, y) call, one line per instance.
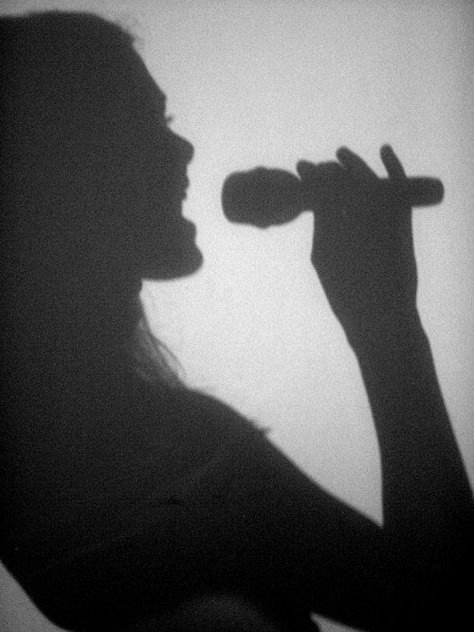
point(80, 323)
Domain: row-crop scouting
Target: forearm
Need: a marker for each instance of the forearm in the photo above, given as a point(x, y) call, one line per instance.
point(428, 510)
point(422, 467)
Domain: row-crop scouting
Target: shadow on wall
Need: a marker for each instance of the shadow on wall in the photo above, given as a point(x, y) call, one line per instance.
point(129, 494)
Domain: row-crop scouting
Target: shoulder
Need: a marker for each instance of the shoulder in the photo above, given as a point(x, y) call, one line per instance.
point(202, 444)
point(206, 413)
point(187, 426)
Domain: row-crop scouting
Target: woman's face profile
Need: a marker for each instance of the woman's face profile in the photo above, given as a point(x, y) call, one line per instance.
point(97, 131)
point(165, 240)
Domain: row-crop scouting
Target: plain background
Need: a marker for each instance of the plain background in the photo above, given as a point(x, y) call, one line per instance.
point(267, 83)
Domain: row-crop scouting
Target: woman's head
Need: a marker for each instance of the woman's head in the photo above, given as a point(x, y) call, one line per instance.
point(95, 177)
point(93, 182)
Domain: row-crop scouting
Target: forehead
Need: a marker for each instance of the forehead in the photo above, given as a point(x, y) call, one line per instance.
point(145, 87)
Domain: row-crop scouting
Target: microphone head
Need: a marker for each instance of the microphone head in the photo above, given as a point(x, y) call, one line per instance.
point(261, 197)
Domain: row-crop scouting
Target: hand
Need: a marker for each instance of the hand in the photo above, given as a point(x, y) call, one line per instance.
point(363, 242)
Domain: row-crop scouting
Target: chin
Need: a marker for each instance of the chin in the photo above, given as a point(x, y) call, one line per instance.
point(176, 266)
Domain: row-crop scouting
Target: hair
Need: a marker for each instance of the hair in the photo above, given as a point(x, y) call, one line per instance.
point(151, 359)
point(57, 70)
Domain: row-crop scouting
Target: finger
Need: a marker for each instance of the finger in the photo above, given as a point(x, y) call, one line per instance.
point(356, 167)
point(392, 164)
point(398, 180)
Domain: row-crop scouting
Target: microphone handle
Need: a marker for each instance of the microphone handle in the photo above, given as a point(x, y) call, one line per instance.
point(422, 191)
point(264, 197)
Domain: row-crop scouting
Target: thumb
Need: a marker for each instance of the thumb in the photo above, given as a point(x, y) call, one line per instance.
point(323, 171)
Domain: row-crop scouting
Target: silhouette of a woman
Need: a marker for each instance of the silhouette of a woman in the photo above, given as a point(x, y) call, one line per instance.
point(130, 502)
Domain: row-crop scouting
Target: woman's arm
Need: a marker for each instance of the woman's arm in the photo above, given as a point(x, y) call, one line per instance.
point(363, 254)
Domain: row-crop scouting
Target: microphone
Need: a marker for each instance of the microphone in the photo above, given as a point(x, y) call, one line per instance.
point(268, 197)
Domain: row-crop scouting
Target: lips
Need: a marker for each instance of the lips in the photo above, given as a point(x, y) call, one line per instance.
point(185, 188)
point(182, 189)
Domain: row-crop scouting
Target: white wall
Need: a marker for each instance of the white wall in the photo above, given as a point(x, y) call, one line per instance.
point(270, 82)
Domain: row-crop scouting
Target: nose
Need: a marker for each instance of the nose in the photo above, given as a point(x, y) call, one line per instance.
point(183, 148)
